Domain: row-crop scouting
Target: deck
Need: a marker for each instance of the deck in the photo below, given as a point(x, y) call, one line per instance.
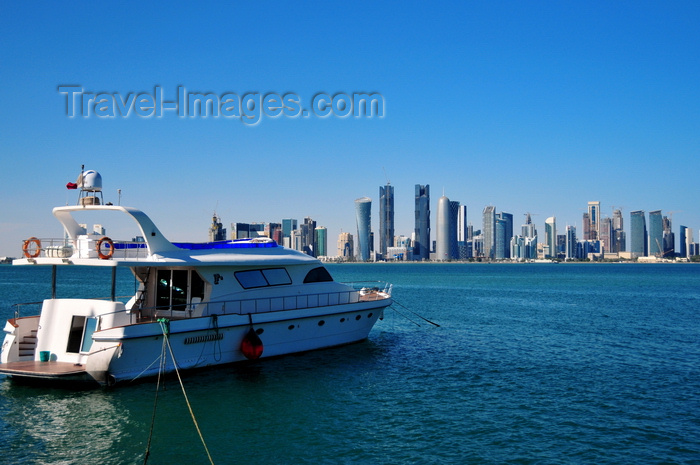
point(36, 369)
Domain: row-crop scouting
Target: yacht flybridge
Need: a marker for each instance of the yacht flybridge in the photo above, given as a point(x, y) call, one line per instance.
point(217, 302)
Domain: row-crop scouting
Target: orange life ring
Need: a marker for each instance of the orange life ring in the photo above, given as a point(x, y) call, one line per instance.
point(25, 247)
point(110, 244)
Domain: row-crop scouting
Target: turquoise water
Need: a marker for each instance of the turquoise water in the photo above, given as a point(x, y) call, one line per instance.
point(531, 364)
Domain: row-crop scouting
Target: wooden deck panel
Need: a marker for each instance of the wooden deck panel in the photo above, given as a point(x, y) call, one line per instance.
point(41, 369)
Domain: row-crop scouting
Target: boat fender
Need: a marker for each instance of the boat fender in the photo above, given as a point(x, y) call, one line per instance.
point(27, 243)
point(251, 345)
point(110, 248)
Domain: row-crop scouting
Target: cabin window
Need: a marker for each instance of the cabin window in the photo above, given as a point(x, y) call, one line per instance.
point(80, 334)
point(251, 279)
point(176, 288)
point(261, 278)
point(277, 276)
point(317, 275)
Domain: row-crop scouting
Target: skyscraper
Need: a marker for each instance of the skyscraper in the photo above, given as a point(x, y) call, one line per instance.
point(499, 247)
point(308, 237)
point(442, 244)
point(619, 242)
point(683, 252)
point(594, 218)
point(288, 225)
point(422, 224)
point(586, 227)
point(346, 247)
point(386, 218)
point(571, 243)
point(489, 231)
point(550, 237)
point(669, 243)
point(454, 215)
point(689, 243)
point(606, 235)
point(217, 232)
point(462, 224)
point(463, 234)
point(321, 241)
point(656, 234)
point(507, 232)
point(363, 208)
point(638, 234)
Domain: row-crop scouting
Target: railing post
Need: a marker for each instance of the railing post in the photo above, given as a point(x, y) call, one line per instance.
point(53, 281)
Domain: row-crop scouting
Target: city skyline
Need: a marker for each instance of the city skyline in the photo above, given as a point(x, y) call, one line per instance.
point(531, 109)
point(497, 237)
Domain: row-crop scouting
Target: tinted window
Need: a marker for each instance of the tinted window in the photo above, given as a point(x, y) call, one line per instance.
point(317, 275)
point(249, 279)
point(277, 276)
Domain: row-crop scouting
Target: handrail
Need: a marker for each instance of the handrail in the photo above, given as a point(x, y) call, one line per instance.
point(362, 291)
point(20, 305)
point(85, 247)
point(271, 304)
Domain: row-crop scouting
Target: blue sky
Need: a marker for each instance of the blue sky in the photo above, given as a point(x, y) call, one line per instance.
point(529, 106)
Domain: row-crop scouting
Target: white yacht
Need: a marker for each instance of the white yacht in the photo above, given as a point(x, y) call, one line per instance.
point(216, 303)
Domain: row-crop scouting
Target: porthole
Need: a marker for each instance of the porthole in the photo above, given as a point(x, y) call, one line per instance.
point(259, 331)
point(358, 317)
point(291, 327)
point(370, 315)
point(321, 323)
point(342, 320)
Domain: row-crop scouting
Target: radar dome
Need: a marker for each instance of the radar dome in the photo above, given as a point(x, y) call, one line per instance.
point(90, 181)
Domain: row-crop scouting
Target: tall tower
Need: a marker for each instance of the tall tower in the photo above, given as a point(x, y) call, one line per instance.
point(386, 218)
point(638, 234)
point(308, 237)
point(217, 232)
point(454, 214)
point(321, 241)
point(594, 219)
point(288, 225)
point(462, 224)
point(683, 252)
point(606, 236)
point(489, 231)
point(442, 243)
point(571, 242)
point(422, 224)
point(550, 237)
point(618, 232)
point(346, 248)
point(507, 219)
point(363, 208)
point(499, 249)
point(669, 242)
point(656, 234)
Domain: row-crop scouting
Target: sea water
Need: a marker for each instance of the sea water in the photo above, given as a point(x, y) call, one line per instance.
point(530, 363)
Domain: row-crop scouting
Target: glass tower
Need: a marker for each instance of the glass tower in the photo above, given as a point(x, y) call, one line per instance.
point(550, 237)
point(422, 224)
point(489, 231)
point(386, 218)
point(594, 220)
point(656, 234)
point(638, 234)
point(454, 216)
point(442, 243)
point(321, 242)
point(363, 208)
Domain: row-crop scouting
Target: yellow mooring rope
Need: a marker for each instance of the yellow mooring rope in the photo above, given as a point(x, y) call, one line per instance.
point(166, 341)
